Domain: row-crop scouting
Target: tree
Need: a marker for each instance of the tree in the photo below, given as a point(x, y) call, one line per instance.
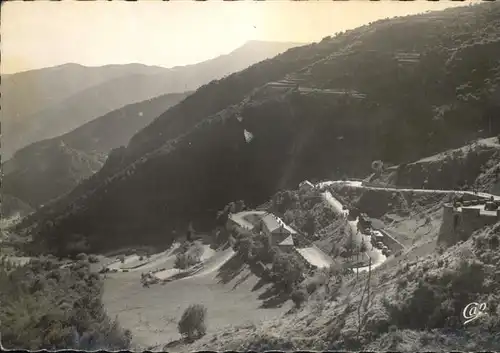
point(377, 166)
point(298, 297)
point(192, 323)
point(363, 247)
point(310, 224)
point(222, 217)
point(349, 243)
point(259, 227)
point(81, 256)
point(288, 269)
point(245, 247)
point(186, 260)
point(240, 206)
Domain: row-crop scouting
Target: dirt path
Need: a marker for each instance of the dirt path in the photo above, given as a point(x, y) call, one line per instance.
point(240, 218)
point(215, 262)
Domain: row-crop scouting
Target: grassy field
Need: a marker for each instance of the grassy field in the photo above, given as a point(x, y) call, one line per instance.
point(232, 296)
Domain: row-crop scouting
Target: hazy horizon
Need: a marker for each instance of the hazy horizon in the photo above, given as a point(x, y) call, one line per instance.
point(175, 33)
point(151, 65)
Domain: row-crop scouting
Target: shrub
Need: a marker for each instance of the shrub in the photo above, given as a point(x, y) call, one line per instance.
point(494, 242)
point(288, 270)
point(93, 259)
point(192, 323)
point(377, 321)
point(184, 261)
point(121, 258)
point(298, 297)
point(81, 257)
point(189, 255)
point(319, 279)
point(312, 286)
point(51, 308)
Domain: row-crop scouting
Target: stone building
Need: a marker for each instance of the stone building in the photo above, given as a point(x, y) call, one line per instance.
point(460, 222)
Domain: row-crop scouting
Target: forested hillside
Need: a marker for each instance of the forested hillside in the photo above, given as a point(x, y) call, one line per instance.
point(47, 169)
point(395, 90)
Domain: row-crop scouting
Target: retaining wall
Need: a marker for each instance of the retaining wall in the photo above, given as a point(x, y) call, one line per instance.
point(391, 242)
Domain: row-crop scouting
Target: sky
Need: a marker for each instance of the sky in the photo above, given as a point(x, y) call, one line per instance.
point(180, 32)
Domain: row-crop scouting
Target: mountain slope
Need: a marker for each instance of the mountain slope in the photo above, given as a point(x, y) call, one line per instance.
point(68, 96)
point(47, 91)
point(12, 206)
point(44, 87)
point(361, 97)
point(47, 169)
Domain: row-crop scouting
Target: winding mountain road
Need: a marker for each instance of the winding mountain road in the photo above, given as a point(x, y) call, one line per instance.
point(359, 184)
point(375, 254)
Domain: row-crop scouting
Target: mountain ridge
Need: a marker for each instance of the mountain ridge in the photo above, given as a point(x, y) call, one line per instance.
point(65, 94)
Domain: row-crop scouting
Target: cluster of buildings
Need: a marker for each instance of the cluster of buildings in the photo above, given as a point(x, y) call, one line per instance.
point(280, 235)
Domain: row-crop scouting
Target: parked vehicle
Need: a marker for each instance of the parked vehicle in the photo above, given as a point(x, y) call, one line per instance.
point(490, 206)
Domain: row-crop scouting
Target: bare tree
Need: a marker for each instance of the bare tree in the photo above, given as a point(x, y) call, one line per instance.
point(367, 303)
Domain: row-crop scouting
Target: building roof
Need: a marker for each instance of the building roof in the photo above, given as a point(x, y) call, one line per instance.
point(315, 257)
point(288, 241)
point(274, 223)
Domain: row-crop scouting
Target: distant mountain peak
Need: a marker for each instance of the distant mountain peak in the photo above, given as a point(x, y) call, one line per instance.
point(258, 41)
point(261, 43)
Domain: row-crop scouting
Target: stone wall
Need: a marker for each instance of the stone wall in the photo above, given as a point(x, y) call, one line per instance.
point(390, 242)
